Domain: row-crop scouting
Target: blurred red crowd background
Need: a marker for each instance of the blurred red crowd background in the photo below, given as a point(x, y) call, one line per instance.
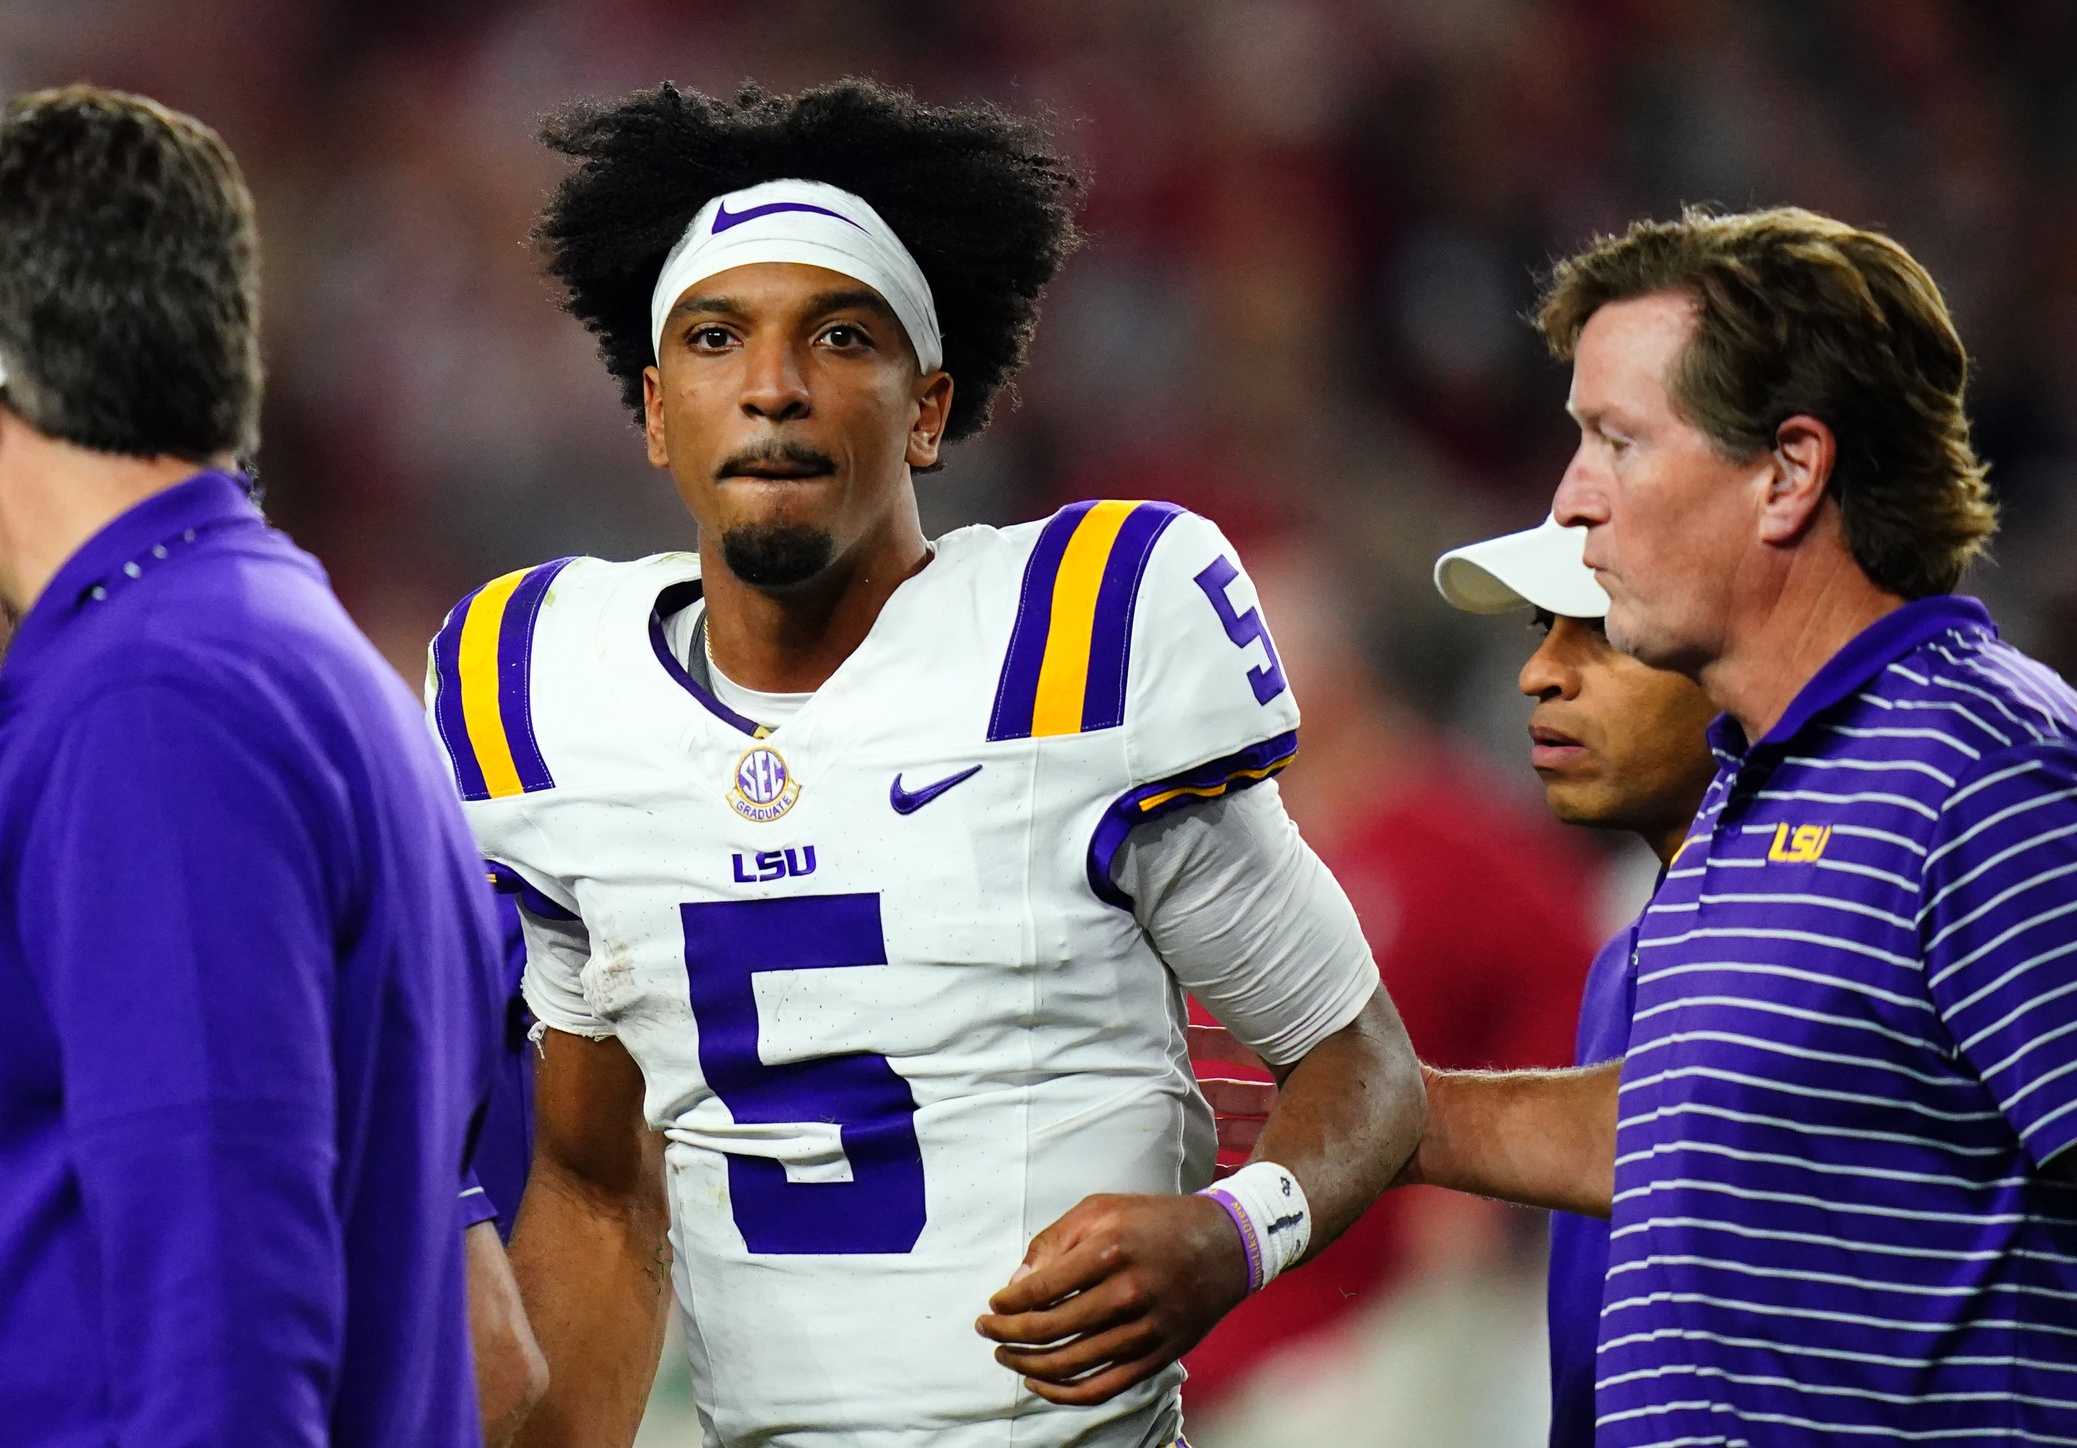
point(1314, 225)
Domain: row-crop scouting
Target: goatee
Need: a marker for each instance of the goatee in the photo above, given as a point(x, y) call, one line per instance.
point(777, 555)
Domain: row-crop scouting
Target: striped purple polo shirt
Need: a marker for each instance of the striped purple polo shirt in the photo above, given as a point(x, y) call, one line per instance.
point(1855, 1043)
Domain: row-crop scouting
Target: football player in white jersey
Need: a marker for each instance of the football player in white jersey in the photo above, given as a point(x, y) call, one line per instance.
point(871, 872)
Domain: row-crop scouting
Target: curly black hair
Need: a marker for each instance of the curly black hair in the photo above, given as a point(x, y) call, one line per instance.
point(976, 194)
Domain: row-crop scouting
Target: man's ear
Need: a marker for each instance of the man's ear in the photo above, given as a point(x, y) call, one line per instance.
point(1805, 451)
point(652, 417)
point(933, 411)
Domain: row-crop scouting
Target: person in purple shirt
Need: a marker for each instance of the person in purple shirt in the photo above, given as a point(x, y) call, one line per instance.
point(505, 1147)
point(1843, 1207)
point(1838, 1151)
point(247, 952)
point(511, 1373)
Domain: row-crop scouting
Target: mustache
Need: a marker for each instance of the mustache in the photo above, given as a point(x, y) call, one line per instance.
point(776, 454)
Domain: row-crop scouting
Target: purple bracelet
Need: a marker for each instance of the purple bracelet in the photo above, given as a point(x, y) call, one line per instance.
point(1247, 1234)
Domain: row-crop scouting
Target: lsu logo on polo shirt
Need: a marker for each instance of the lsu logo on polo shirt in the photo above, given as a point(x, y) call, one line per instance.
point(1798, 844)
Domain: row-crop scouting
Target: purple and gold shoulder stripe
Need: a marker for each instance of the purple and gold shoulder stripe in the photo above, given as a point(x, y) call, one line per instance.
point(482, 697)
point(1070, 650)
point(1236, 771)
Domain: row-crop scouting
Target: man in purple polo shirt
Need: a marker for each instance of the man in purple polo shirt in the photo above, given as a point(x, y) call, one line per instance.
point(1842, 1201)
point(244, 937)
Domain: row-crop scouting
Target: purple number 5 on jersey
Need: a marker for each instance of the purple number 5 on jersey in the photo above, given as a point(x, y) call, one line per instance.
point(881, 1209)
point(1243, 628)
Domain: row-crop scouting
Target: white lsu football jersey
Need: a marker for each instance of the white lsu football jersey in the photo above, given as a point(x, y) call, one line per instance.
point(893, 1015)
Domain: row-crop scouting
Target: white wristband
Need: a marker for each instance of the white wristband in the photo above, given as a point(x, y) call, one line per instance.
point(1268, 1207)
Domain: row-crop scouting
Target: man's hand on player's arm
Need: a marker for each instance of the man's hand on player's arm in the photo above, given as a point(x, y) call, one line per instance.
point(1240, 1106)
point(1536, 1138)
point(1122, 1286)
point(591, 1248)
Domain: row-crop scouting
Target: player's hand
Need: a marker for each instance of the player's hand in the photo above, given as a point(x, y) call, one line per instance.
point(1114, 1292)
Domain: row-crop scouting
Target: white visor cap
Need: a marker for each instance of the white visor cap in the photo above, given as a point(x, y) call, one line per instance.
point(812, 223)
point(1538, 567)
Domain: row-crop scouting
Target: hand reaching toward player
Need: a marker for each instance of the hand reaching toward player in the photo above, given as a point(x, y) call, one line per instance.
point(1114, 1292)
point(1240, 1106)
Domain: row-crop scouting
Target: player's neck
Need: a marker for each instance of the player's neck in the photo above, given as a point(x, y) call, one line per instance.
point(790, 643)
point(55, 495)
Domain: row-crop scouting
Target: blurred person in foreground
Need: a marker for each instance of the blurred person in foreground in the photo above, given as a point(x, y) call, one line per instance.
point(1618, 745)
point(871, 871)
point(1842, 1200)
point(242, 929)
point(1479, 913)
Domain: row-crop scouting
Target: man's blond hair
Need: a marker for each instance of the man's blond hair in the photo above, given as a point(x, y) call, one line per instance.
point(1796, 313)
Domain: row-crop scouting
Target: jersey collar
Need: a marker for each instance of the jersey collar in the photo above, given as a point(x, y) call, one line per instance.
point(123, 551)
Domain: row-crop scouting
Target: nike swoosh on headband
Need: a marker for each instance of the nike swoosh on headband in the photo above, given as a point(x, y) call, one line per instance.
point(724, 219)
point(909, 801)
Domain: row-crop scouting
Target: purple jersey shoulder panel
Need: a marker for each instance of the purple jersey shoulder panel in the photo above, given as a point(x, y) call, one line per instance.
point(516, 671)
point(1017, 690)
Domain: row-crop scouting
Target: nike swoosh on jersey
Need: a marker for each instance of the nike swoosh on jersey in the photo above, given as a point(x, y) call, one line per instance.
point(724, 218)
point(908, 801)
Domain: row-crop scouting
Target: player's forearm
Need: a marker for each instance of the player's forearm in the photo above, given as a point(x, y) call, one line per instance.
point(1347, 1118)
point(594, 1273)
point(1538, 1138)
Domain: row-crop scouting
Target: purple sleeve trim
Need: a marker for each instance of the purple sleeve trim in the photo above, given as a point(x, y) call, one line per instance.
point(475, 1203)
point(1247, 1234)
point(507, 881)
point(1226, 775)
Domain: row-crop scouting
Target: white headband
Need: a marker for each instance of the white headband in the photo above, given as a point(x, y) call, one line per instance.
point(807, 222)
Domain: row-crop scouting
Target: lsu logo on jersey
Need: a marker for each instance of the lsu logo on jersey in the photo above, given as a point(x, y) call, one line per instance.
point(764, 788)
point(1798, 844)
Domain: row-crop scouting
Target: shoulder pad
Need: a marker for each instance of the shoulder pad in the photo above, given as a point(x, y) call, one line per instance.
point(1070, 649)
point(1206, 683)
point(479, 685)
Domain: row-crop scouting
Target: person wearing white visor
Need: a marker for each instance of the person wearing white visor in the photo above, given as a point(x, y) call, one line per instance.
point(872, 871)
point(1540, 567)
point(1618, 745)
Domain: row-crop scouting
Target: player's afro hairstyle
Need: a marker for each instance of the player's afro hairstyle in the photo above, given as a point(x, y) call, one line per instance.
point(976, 194)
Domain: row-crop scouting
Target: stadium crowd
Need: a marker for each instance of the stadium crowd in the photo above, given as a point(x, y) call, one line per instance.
point(1313, 229)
